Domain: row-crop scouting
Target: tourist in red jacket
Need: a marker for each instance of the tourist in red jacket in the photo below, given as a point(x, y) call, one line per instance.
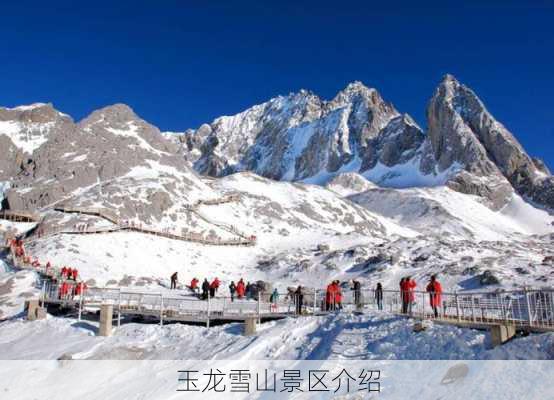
point(241, 289)
point(80, 288)
point(338, 295)
point(434, 289)
point(194, 285)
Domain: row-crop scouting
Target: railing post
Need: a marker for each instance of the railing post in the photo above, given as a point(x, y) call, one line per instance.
point(259, 307)
point(208, 315)
point(423, 305)
point(315, 301)
point(551, 320)
point(472, 309)
point(458, 317)
point(119, 309)
point(504, 309)
point(161, 309)
point(81, 303)
point(529, 312)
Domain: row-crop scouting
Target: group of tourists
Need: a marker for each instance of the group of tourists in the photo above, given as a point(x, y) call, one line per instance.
point(67, 272)
point(67, 282)
point(333, 296)
point(407, 294)
point(207, 289)
point(248, 290)
point(68, 290)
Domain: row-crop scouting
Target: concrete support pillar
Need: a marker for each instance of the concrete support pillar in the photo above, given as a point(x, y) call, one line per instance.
point(106, 316)
point(41, 313)
point(250, 326)
point(34, 310)
point(31, 307)
point(501, 333)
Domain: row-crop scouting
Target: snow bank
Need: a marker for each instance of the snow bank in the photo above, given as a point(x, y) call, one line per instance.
point(341, 337)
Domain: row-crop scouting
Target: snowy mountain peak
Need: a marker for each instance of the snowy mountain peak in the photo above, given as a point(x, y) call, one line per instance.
point(357, 87)
point(32, 113)
point(116, 114)
point(463, 132)
point(356, 91)
point(28, 106)
point(449, 79)
point(293, 137)
point(26, 128)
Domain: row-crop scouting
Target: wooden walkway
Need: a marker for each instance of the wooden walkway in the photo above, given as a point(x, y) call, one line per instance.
point(19, 216)
point(242, 239)
point(95, 212)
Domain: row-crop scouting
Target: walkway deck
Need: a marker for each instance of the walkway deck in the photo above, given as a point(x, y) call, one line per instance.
point(241, 239)
point(19, 216)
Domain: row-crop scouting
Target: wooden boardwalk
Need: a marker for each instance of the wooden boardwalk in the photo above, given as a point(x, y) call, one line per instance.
point(95, 212)
point(242, 239)
point(19, 216)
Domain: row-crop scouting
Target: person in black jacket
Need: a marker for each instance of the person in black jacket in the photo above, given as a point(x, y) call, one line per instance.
point(357, 287)
point(299, 297)
point(205, 289)
point(232, 290)
point(379, 296)
point(174, 281)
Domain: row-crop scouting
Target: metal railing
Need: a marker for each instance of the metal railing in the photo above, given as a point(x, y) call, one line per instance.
point(524, 308)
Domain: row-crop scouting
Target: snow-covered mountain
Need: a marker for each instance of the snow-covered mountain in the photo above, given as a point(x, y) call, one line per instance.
point(51, 159)
point(301, 137)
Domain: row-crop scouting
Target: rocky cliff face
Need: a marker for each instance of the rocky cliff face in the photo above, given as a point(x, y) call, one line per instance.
point(300, 135)
point(463, 132)
point(51, 159)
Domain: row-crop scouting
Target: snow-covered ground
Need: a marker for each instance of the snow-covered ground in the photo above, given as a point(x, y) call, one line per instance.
point(442, 211)
point(342, 337)
point(15, 288)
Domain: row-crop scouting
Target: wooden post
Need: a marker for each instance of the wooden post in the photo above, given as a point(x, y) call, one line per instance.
point(315, 301)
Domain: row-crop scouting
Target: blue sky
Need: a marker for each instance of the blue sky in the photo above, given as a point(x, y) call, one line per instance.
point(182, 63)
